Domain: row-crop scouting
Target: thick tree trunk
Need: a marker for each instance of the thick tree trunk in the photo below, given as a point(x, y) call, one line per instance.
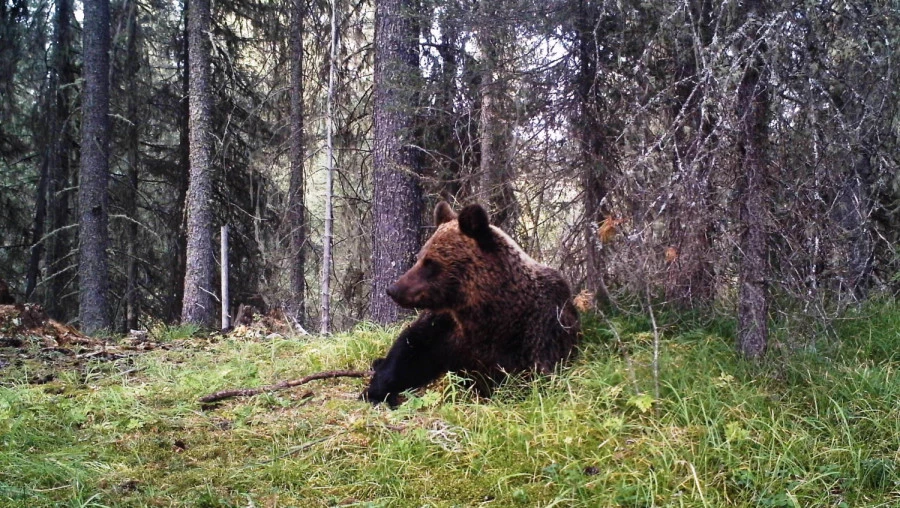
point(178, 224)
point(199, 304)
point(93, 194)
point(61, 153)
point(496, 172)
point(397, 207)
point(752, 111)
point(296, 203)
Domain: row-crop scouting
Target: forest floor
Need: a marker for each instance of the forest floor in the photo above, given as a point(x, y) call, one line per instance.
point(86, 422)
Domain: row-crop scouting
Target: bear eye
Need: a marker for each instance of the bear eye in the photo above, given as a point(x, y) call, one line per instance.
point(430, 268)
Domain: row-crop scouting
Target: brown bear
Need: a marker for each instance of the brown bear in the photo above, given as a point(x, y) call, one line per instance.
point(489, 310)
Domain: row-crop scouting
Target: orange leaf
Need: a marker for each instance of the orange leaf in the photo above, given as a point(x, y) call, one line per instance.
point(671, 254)
point(608, 228)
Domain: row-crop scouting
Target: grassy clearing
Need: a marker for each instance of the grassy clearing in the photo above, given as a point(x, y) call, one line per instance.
point(821, 428)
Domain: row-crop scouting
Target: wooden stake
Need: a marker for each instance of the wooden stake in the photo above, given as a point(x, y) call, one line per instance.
point(226, 318)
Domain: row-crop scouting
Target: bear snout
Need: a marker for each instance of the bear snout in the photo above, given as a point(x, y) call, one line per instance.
point(402, 294)
point(407, 292)
point(393, 291)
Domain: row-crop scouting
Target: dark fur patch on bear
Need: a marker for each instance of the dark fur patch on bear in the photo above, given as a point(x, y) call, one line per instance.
point(420, 355)
point(474, 223)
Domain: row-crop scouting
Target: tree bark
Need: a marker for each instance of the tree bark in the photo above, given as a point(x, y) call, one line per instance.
point(199, 305)
point(443, 130)
point(132, 158)
point(93, 194)
point(397, 207)
point(296, 203)
point(754, 198)
point(496, 172)
point(595, 146)
point(61, 151)
point(328, 236)
point(853, 210)
point(37, 232)
point(178, 224)
point(854, 203)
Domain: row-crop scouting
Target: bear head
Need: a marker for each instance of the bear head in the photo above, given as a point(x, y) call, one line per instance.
point(459, 256)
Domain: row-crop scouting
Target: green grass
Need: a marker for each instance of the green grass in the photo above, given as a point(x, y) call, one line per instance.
point(816, 427)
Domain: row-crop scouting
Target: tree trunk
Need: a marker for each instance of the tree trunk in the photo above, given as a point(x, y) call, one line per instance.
point(397, 207)
point(854, 203)
point(296, 204)
point(595, 147)
point(93, 194)
point(853, 210)
point(61, 150)
point(594, 190)
point(754, 199)
point(37, 232)
point(689, 280)
point(496, 172)
point(178, 224)
point(199, 305)
point(328, 237)
point(132, 158)
point(446, 117)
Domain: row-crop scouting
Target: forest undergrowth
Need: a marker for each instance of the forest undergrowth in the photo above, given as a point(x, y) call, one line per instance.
point(811, 426)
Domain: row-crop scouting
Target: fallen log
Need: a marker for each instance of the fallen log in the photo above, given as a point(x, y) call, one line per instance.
point(249, 392)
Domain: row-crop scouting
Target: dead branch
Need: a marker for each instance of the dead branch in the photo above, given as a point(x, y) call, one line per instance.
point(248, 392)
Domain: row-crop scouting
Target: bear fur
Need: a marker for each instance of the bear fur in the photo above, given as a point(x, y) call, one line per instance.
point(488, 310)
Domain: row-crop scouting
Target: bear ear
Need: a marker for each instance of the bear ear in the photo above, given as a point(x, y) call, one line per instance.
point(443, 213)
point(473, 222)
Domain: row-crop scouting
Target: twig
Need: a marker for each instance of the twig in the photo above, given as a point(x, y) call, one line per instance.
point(99, 352)
point(247, 392)
point(131, 371)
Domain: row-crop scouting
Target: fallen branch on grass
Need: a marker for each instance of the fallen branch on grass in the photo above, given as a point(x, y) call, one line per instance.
point(248, 392)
